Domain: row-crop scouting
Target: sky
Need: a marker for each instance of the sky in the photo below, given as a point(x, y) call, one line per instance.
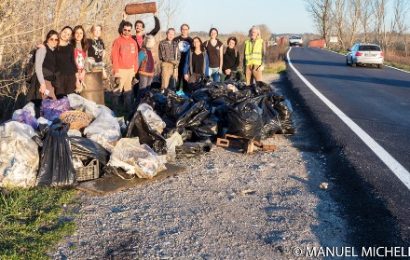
point(281, 16)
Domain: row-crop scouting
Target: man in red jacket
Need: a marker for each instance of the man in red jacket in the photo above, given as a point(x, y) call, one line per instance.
point(124, 57)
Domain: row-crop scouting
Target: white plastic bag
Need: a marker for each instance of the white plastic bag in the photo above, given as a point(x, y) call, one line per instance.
point(19, 158)
point(104, 130)
point(74, 132)
point(172, 142)
point(43, 121)
point(137, 159)
point(152, 119)
point(78, 102)
point(26, 115)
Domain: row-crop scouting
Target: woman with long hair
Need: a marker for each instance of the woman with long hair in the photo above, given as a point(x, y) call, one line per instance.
point(96, 46)
point(79, 42)
point(197, 63)
point(254, 56)
point(66, 66)
point(45, 71)
point(214, 48)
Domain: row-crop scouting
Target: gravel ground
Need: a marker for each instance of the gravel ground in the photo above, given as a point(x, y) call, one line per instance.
point(225, 205)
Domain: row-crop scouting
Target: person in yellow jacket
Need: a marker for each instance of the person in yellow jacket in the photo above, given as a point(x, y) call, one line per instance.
point(254, 56)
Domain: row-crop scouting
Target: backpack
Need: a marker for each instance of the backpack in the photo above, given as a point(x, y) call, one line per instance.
point(29, 66)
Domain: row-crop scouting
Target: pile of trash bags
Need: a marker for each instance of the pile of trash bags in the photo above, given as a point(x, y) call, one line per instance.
point(74, 133)
point(213, 110)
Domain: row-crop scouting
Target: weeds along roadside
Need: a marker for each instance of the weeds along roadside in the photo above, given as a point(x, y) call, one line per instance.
point(32, 221)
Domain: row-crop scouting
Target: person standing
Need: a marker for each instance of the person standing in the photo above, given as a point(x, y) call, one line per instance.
point(96, 46)
point(146, 64)
point(254, 56)
point(196, 66)
point(66, 66)
point(124, 57)
point(184, 45)
point(231, 60)
point(214, 49)
point(45, 72)
point(170, 56)
point(140, 31)
point(79, 42)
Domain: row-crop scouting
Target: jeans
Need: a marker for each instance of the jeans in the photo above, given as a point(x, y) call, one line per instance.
point(214, 74)
point(145, 81)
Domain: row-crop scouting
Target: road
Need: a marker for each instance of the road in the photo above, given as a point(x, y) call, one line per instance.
point(375, 106)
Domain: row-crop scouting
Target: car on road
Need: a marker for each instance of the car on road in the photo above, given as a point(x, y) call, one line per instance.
point(296, 40)
point(365, 54)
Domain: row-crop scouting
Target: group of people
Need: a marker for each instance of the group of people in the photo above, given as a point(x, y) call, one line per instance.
point(187, 59)
point(60, 62)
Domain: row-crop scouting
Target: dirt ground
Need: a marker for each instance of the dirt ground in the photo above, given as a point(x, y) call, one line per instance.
point(226, 205)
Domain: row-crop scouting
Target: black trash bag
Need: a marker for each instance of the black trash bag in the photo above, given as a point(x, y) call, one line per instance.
point(217, 90)
point(86, 147)
point(160, 103)
point(261, 88)
point(207, 130)
point(285, 115)
point(191, 149)
point(145, 96)
point(271, 121)
point(245, 120)
point(239, 96)
point(199, 84)
point(221, 113)
point(138, 127)
point(56, 165)
point(176, 106)
point(156, 85)
point(201, 94)
point(194, 116)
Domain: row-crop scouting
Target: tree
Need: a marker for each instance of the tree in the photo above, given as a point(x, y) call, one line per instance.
point(399, 26)
point(265, 32)
point(321, 12)
point(365, 17)
point(354, 15)
point(379, 10)
point(339, 11)
point(169, 8)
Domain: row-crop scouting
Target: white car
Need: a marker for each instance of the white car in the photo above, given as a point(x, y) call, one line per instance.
point(365, 54)
point(295, 40)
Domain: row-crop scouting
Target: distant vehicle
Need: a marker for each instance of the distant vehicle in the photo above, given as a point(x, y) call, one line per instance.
point(365, 54)
point(295, 40)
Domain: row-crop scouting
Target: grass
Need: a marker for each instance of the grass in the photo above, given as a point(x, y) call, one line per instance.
point(32, 221)
point(275, 68)
point(398, 65)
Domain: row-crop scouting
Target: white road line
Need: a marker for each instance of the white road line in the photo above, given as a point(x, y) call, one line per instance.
point(405, 71)
point(397, 69)
point(387, 159)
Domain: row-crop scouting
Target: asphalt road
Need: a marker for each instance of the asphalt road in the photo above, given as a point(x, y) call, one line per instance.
point(378, 101)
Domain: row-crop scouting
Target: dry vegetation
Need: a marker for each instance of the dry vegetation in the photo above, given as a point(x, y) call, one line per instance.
point(378, 21)
point(24, 24)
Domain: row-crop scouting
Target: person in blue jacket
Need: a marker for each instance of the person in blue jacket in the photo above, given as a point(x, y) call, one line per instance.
point(197, 63)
